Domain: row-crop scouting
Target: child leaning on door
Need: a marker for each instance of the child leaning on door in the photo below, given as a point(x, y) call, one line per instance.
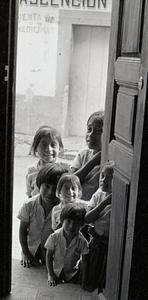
point(86, 164)
point(98, 214)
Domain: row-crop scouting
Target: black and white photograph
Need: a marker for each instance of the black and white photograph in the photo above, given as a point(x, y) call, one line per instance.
point(74, 149)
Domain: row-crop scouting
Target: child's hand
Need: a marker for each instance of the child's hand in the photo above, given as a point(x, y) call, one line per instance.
point(27, 260)
point(52, 280)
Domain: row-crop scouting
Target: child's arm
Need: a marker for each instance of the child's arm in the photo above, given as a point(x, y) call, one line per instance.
point(93, 214)
point(27, 258)
point(84, 265)
point(52, 278)
point(83, 171)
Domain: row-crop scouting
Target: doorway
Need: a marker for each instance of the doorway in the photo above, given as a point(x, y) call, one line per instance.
point(88, 75)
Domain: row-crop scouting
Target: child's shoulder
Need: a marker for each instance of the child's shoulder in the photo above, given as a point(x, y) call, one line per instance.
point(56, 208)
point(33, 168)
point(83, 156)
point(33, 201)
point(86, 152)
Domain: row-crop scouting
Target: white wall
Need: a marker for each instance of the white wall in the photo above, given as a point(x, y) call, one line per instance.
point(37, 51)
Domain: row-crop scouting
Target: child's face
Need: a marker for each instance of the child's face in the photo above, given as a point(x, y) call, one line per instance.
point(48, 150)
point(69, 192)
point(71, 227)
point(47, 192)
point(93, 135)
point(105, 181)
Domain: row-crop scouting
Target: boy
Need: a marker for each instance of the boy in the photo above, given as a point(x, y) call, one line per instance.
point(35, 215)
point(66, 246)
point(99, 215)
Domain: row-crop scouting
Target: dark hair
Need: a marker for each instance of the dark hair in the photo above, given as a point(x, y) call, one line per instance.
point(73, 211)
point(99, 117)
point(45, 131)
point(50, 174)
point(72, 178)
point(109, 166)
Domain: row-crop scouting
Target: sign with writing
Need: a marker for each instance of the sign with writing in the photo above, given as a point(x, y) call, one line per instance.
point(66, 4)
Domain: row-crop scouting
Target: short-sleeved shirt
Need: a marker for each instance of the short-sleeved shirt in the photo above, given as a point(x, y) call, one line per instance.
point(39, 228)
point(31, 176)
point(101, 225)
point(91, 182)
point(56, 211)
point(66, 257)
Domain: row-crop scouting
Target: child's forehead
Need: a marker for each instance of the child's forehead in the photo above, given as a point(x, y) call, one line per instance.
point(94, 121)
point(49, 138)
point(69, 182)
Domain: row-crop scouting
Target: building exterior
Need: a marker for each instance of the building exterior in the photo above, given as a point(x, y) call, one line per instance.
point(62, 57)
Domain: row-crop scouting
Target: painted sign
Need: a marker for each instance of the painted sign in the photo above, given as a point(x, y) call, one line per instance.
point(74, 4)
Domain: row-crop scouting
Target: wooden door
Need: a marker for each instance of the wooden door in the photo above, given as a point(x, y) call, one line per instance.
point(8, 11)
point(123, 133)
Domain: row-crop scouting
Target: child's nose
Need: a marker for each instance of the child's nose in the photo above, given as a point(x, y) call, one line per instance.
point(72, 192)
point(49, 148)
point(90, 132)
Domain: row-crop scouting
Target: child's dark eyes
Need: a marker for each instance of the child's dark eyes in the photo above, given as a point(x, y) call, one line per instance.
point(89, 129)
point(96, 130)
point(53, 145)
point(44, 144)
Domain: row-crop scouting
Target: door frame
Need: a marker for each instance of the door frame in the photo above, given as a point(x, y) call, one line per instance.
point(8, 44)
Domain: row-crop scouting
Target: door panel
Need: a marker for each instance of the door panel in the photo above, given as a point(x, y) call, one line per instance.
point(132, 25)
point(123, 129)
point(116, 241)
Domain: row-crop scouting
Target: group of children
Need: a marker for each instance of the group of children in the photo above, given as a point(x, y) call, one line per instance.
point(65, 221)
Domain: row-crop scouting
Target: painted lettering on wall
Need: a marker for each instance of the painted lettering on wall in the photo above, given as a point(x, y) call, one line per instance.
point(75, 4)
point(35, 22)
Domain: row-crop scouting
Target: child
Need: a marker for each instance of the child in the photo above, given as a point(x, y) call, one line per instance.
point(99, 215)
point(90, 157)
point(46, 145)
point(66, 246)
point(35, 215)
point(68, 191)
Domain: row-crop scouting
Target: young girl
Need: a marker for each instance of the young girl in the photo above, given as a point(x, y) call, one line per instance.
point(35, 215)
point(46, 145)
point(99, 215)
point(68, 191)
point(86, 165)
point(66, 246)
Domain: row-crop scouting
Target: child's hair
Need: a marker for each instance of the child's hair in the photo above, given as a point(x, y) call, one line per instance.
point(109, 167)
point(99, 117)
point(73, 211)
point(66, 178)
point(50, 174)
point(45, 131)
